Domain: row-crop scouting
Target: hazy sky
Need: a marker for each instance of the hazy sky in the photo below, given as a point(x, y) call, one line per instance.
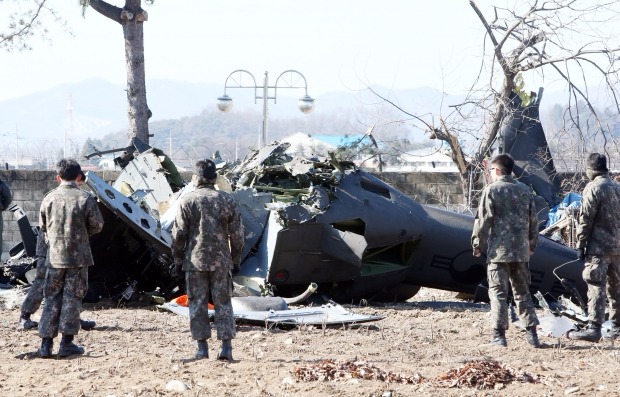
point(336, 44)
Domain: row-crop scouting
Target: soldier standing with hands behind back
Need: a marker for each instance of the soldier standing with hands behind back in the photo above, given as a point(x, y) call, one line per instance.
point(598, 241)
point(507, 225)
point(207, 243)
point(68, 217)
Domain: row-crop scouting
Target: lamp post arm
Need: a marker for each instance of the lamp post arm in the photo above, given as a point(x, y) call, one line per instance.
point(237, 82)
point(290, 83)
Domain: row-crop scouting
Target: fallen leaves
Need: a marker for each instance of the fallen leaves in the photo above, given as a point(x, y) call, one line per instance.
point(488, 374)
point(331, 370)
point(477, 374)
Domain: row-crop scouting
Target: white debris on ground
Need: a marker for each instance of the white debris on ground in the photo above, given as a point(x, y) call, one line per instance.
point(12, 298)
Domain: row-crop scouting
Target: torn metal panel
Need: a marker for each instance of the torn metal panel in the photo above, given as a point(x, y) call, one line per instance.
point(258, 303)
point(253, 215)
point(327, 314)
point(255, 269)
point(264, 156)
point(551, 326)
point(135, 216)
point(167, 218)
point(27, 233)
point(145, 177)
point(299, 166)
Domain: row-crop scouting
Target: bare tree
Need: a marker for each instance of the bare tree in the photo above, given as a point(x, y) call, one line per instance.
point(25, 21)
point(557, 40)
point(131, 18)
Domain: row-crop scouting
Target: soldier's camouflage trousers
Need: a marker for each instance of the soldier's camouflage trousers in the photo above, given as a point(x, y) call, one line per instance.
point(198, 285)
point(500, 277)
point(63, 291)
point(600, 272)
point(35, 294)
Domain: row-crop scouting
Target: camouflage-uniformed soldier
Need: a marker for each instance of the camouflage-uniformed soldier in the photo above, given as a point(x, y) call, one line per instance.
point(5, 201)
point(207, 243)
point(35, 294)
point(68, 216)
point(598, 241)
point(506, 224)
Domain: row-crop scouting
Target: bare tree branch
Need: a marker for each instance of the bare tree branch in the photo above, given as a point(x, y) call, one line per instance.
point(26, 23)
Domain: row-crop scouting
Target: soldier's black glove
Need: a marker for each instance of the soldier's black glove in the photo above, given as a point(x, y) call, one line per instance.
point(178, 270)
point(236, 269)
point(581, 254)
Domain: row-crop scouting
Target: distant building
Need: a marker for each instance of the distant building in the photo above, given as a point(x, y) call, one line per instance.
point(107, 163)
point(423, 160)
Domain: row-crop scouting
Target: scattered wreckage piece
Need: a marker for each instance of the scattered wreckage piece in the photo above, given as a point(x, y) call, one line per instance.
point(133, 212)
point(12, 297)
point(20, 268)
point(245, 312)
point(561, 325)
point(562, 316)
point(554, 326)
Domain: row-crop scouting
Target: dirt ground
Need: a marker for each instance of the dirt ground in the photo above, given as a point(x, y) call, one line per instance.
point(419, 346)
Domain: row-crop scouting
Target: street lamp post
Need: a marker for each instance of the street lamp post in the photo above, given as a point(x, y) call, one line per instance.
point(288, 79)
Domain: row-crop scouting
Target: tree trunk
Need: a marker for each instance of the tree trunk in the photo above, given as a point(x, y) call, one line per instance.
point(131, 17)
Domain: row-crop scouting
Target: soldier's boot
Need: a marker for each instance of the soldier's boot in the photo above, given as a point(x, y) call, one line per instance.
point(499, 337)
point(68, 348)
point(87, 325)
point(203, 350)
point(591, 334)
point(532, 336)
point(47, 344)
point(26, 323)
point(226, 353)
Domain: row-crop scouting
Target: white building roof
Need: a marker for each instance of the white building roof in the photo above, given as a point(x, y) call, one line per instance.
point(424, 160)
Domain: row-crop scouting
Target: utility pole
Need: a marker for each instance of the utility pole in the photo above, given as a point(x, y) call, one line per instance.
point(69, 127)
point(16, 147)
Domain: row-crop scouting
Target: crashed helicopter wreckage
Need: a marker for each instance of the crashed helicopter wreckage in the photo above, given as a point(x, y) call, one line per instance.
point(306, 221)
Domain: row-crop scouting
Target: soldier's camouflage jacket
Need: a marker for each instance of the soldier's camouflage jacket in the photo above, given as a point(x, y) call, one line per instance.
point(506, 222)
point(68, 217)
point(207, 233)
point(599, 227)
point(6, 198)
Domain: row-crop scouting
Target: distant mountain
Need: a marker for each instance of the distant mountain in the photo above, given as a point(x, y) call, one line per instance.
point(94, 108)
